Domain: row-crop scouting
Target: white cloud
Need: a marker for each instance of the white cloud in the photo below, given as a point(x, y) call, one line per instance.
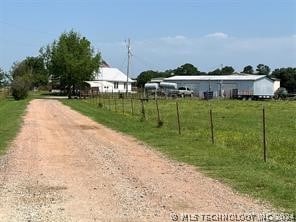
point(217, 35)
point(204, 52)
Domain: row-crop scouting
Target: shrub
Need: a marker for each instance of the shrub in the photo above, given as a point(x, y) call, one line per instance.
point(20, 87)
point(281, 93)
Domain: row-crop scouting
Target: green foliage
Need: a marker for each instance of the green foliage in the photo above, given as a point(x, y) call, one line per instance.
point(235, 158)
point(20, 86)
point(146, 76)
point(2, 77)
point(10, 120)
point(186, 69)
point(227, 70)
point(215, 72)
point(22, 80)
point(34, 69)
point(39, 72)
point(20, 69)
point(71, 60)
point(248, 69)
point(263, 69)
point(287, 77)
point(281, 93)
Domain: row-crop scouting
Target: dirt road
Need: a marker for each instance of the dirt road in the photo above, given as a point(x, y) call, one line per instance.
point(65, 167)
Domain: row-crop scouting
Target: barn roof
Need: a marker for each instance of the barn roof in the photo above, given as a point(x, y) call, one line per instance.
point(218, 77)
point(111, 75)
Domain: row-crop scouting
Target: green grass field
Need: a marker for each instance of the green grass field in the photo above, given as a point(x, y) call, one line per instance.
point(11, 112)
point(236, 158)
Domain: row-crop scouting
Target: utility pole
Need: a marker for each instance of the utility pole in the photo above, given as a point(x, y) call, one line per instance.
point(129, 54)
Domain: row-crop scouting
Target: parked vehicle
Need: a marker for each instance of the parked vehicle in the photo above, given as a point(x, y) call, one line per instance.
point(151, 89)
point(185, 91)
point(168, 89)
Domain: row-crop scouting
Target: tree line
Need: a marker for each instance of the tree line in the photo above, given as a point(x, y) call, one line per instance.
point(287, 76)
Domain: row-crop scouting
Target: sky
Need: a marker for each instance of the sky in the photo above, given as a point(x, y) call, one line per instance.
point(164, 33)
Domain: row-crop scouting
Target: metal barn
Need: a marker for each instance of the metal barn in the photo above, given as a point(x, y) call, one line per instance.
point(228, 86)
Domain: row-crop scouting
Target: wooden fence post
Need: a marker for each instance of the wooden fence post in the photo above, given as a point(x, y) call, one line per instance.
point(115, 104)
point(122, 105)
point(104, 95)
point(143, 109)
point(132, 106)
point(99, 100)
point(212, 126)
point(264, 135)
point(159, 122)
point(178, 117)
point(109, 102)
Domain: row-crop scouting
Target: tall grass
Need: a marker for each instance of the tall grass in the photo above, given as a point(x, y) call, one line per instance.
point(237, 155)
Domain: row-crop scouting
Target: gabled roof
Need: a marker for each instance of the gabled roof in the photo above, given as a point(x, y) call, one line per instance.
point(218, 77)
point(99, 83)
point(111, 75)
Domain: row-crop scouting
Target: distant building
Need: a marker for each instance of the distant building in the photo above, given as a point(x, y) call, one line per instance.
point(228, 86)
point(110, 79)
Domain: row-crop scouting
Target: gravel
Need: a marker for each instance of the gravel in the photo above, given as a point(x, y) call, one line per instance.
point(63, 166)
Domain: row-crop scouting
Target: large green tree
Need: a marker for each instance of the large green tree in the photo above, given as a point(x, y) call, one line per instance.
point(72, 60)
point(39, 72)
point(263, 69)
point(248, 69)
point(287, 77)
point(227, 70)
point(20, 69)
point(186, 69)
point(33, 68)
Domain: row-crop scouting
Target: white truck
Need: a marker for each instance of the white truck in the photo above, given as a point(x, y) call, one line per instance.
point(185, 91)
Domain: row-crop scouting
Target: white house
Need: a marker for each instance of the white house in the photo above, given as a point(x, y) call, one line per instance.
point(116, 77)
point(110, 79)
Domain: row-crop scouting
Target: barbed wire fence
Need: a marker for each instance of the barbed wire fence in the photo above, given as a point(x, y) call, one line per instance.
point(256, 127)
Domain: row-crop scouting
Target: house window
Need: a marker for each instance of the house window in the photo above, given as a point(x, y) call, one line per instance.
point(115, 85)
point(124, 85)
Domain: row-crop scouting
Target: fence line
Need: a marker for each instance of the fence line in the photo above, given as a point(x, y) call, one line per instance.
point(221, 125)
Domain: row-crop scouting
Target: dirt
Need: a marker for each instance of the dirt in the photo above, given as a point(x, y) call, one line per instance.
point(63, 166)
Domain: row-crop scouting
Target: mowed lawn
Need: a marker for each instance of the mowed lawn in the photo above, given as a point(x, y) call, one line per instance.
point(11, 112)
point(236, 158)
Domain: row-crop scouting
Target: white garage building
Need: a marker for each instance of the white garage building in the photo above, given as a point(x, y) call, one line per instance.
point(227, 85)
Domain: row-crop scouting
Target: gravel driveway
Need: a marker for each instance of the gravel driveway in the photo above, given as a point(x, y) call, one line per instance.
point(63, 166)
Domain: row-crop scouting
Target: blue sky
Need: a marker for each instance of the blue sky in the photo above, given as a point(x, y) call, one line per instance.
point(164, 33)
